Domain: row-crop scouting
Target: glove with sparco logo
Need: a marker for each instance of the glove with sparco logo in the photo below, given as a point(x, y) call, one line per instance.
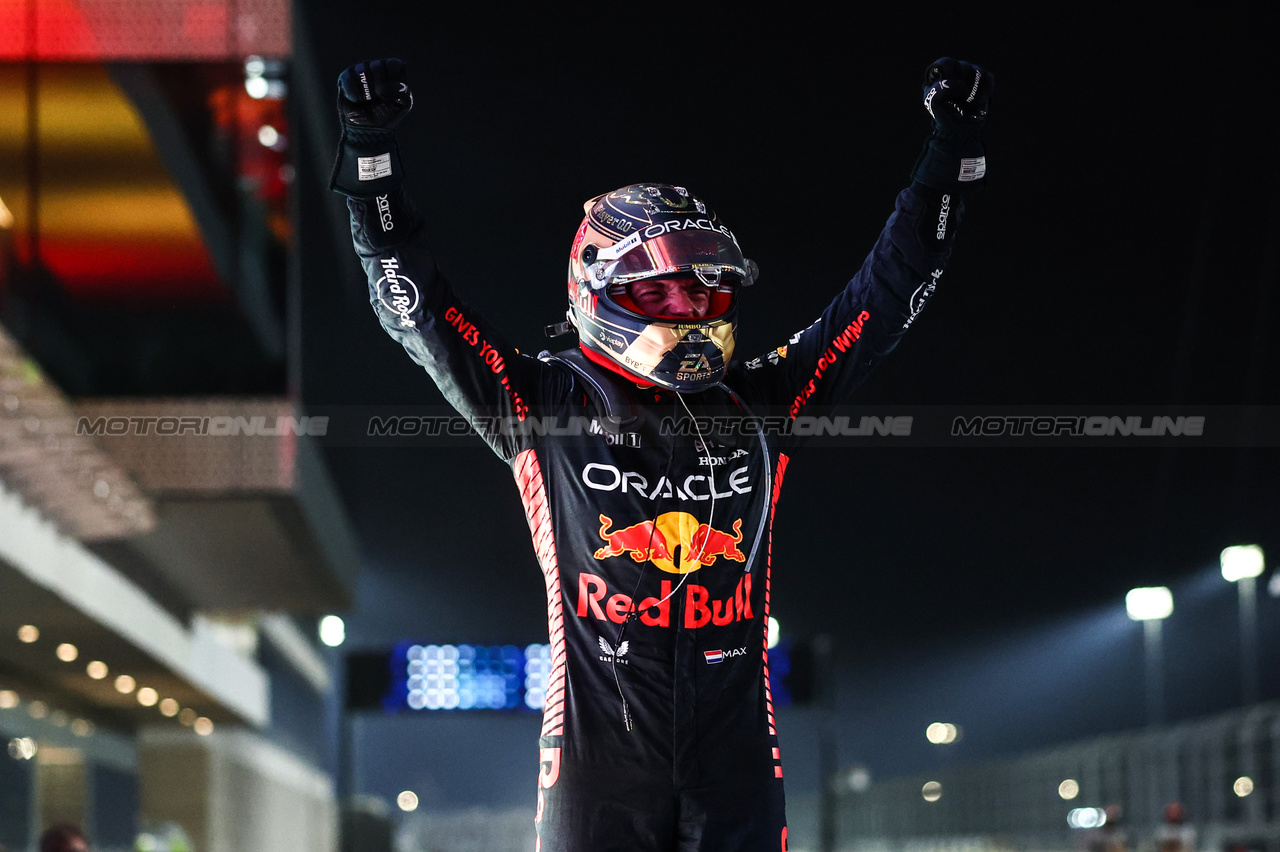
point(957, 95)
point(373, 99)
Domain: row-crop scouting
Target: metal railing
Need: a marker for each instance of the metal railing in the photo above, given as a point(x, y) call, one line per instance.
point(1222, 770)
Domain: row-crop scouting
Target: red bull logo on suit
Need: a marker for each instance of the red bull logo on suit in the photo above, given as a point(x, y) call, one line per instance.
point(676, 542)
point(596, 600)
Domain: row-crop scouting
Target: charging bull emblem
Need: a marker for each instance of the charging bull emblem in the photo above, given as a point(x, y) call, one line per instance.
point(642, 541)
point(676, 542)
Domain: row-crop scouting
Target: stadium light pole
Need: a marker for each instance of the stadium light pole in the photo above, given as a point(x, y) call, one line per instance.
point(1243, 564)
point(1152, 605)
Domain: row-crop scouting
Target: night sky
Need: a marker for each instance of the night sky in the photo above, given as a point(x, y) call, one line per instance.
point(1122, 254)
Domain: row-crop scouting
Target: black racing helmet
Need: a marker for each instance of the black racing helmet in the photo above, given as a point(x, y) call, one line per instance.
point(655, 230)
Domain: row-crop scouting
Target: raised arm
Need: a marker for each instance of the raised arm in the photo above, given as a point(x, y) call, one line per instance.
point(485, 379)
point(823, 364)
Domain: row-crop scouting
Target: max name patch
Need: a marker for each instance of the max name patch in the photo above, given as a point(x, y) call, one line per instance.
point(718, 656)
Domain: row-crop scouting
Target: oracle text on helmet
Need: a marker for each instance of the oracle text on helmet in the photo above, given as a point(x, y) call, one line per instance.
point(659, 228)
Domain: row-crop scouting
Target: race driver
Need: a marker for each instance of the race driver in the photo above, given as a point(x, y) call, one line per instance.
point(652, 522)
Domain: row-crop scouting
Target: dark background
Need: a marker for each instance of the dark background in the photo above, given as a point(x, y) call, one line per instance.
point(1123, 253)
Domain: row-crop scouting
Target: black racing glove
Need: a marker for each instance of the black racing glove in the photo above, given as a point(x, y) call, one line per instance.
point(373, 98)
point(957, 95)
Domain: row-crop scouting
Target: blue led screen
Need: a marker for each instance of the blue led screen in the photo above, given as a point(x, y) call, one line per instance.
point(468, 677)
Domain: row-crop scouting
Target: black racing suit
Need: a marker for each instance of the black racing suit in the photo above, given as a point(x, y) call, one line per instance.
point(658, 730)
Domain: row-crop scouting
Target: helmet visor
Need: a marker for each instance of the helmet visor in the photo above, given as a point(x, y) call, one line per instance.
point(683, 298)
point(713, 257)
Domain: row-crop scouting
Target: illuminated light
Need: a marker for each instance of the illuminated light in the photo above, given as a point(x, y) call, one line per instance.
point(102, 212)
point(148, 697)
point(1273, 587)
point(1087, 818)
point(6, 216)
point(475, 677)
point(941, 733)
point(38, 709)
point(1149, 604)
point(1240, 562)
point(407, 801)
point(97, 670)
point(333, 631)
point(775, 631)
point(187, 716)
point(8, 699)
point(203, 726)
point(268, 136)
point(169, 707)
point(254, 66)
point(82, 727)
point(1069, 789)
point(28, 633)
point(147, 843)
point(1243, 786)
point(537, 675)
point(102, 489)
point(67, 652)
point(22, 748)
point(125, 684)
point(931, 791)
point(858, 779)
